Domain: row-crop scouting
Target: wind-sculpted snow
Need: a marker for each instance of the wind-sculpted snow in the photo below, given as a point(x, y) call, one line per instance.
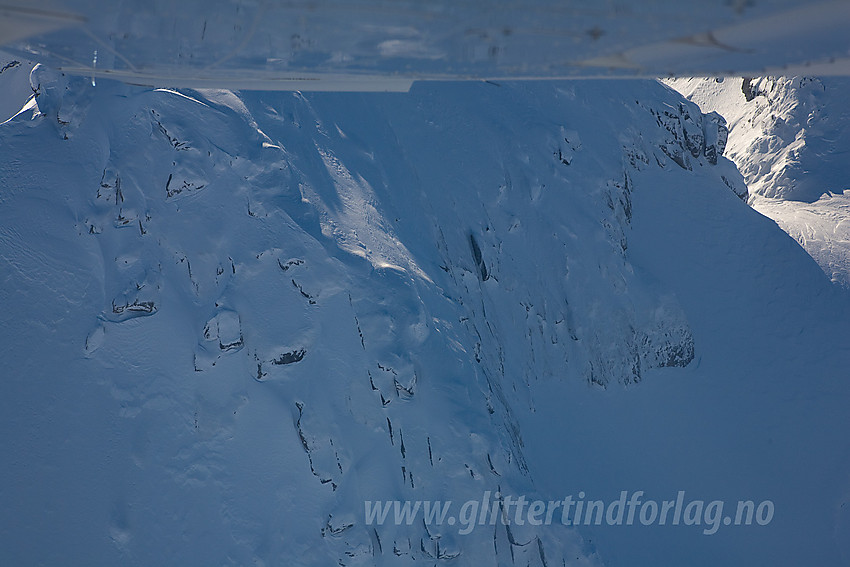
point(292, 304)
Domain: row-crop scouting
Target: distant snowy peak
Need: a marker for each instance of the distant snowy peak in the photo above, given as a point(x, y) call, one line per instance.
point(789, 136)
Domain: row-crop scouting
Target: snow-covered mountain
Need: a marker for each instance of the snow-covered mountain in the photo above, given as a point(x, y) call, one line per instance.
point(231, 318)
point(789, 137)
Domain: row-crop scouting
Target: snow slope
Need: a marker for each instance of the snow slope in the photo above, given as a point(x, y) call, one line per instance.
point(790, 139)
point(230, 318)
point(822, 228)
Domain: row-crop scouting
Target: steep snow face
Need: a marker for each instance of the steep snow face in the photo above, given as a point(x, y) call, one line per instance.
point(232, 318)
point(790, 139)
